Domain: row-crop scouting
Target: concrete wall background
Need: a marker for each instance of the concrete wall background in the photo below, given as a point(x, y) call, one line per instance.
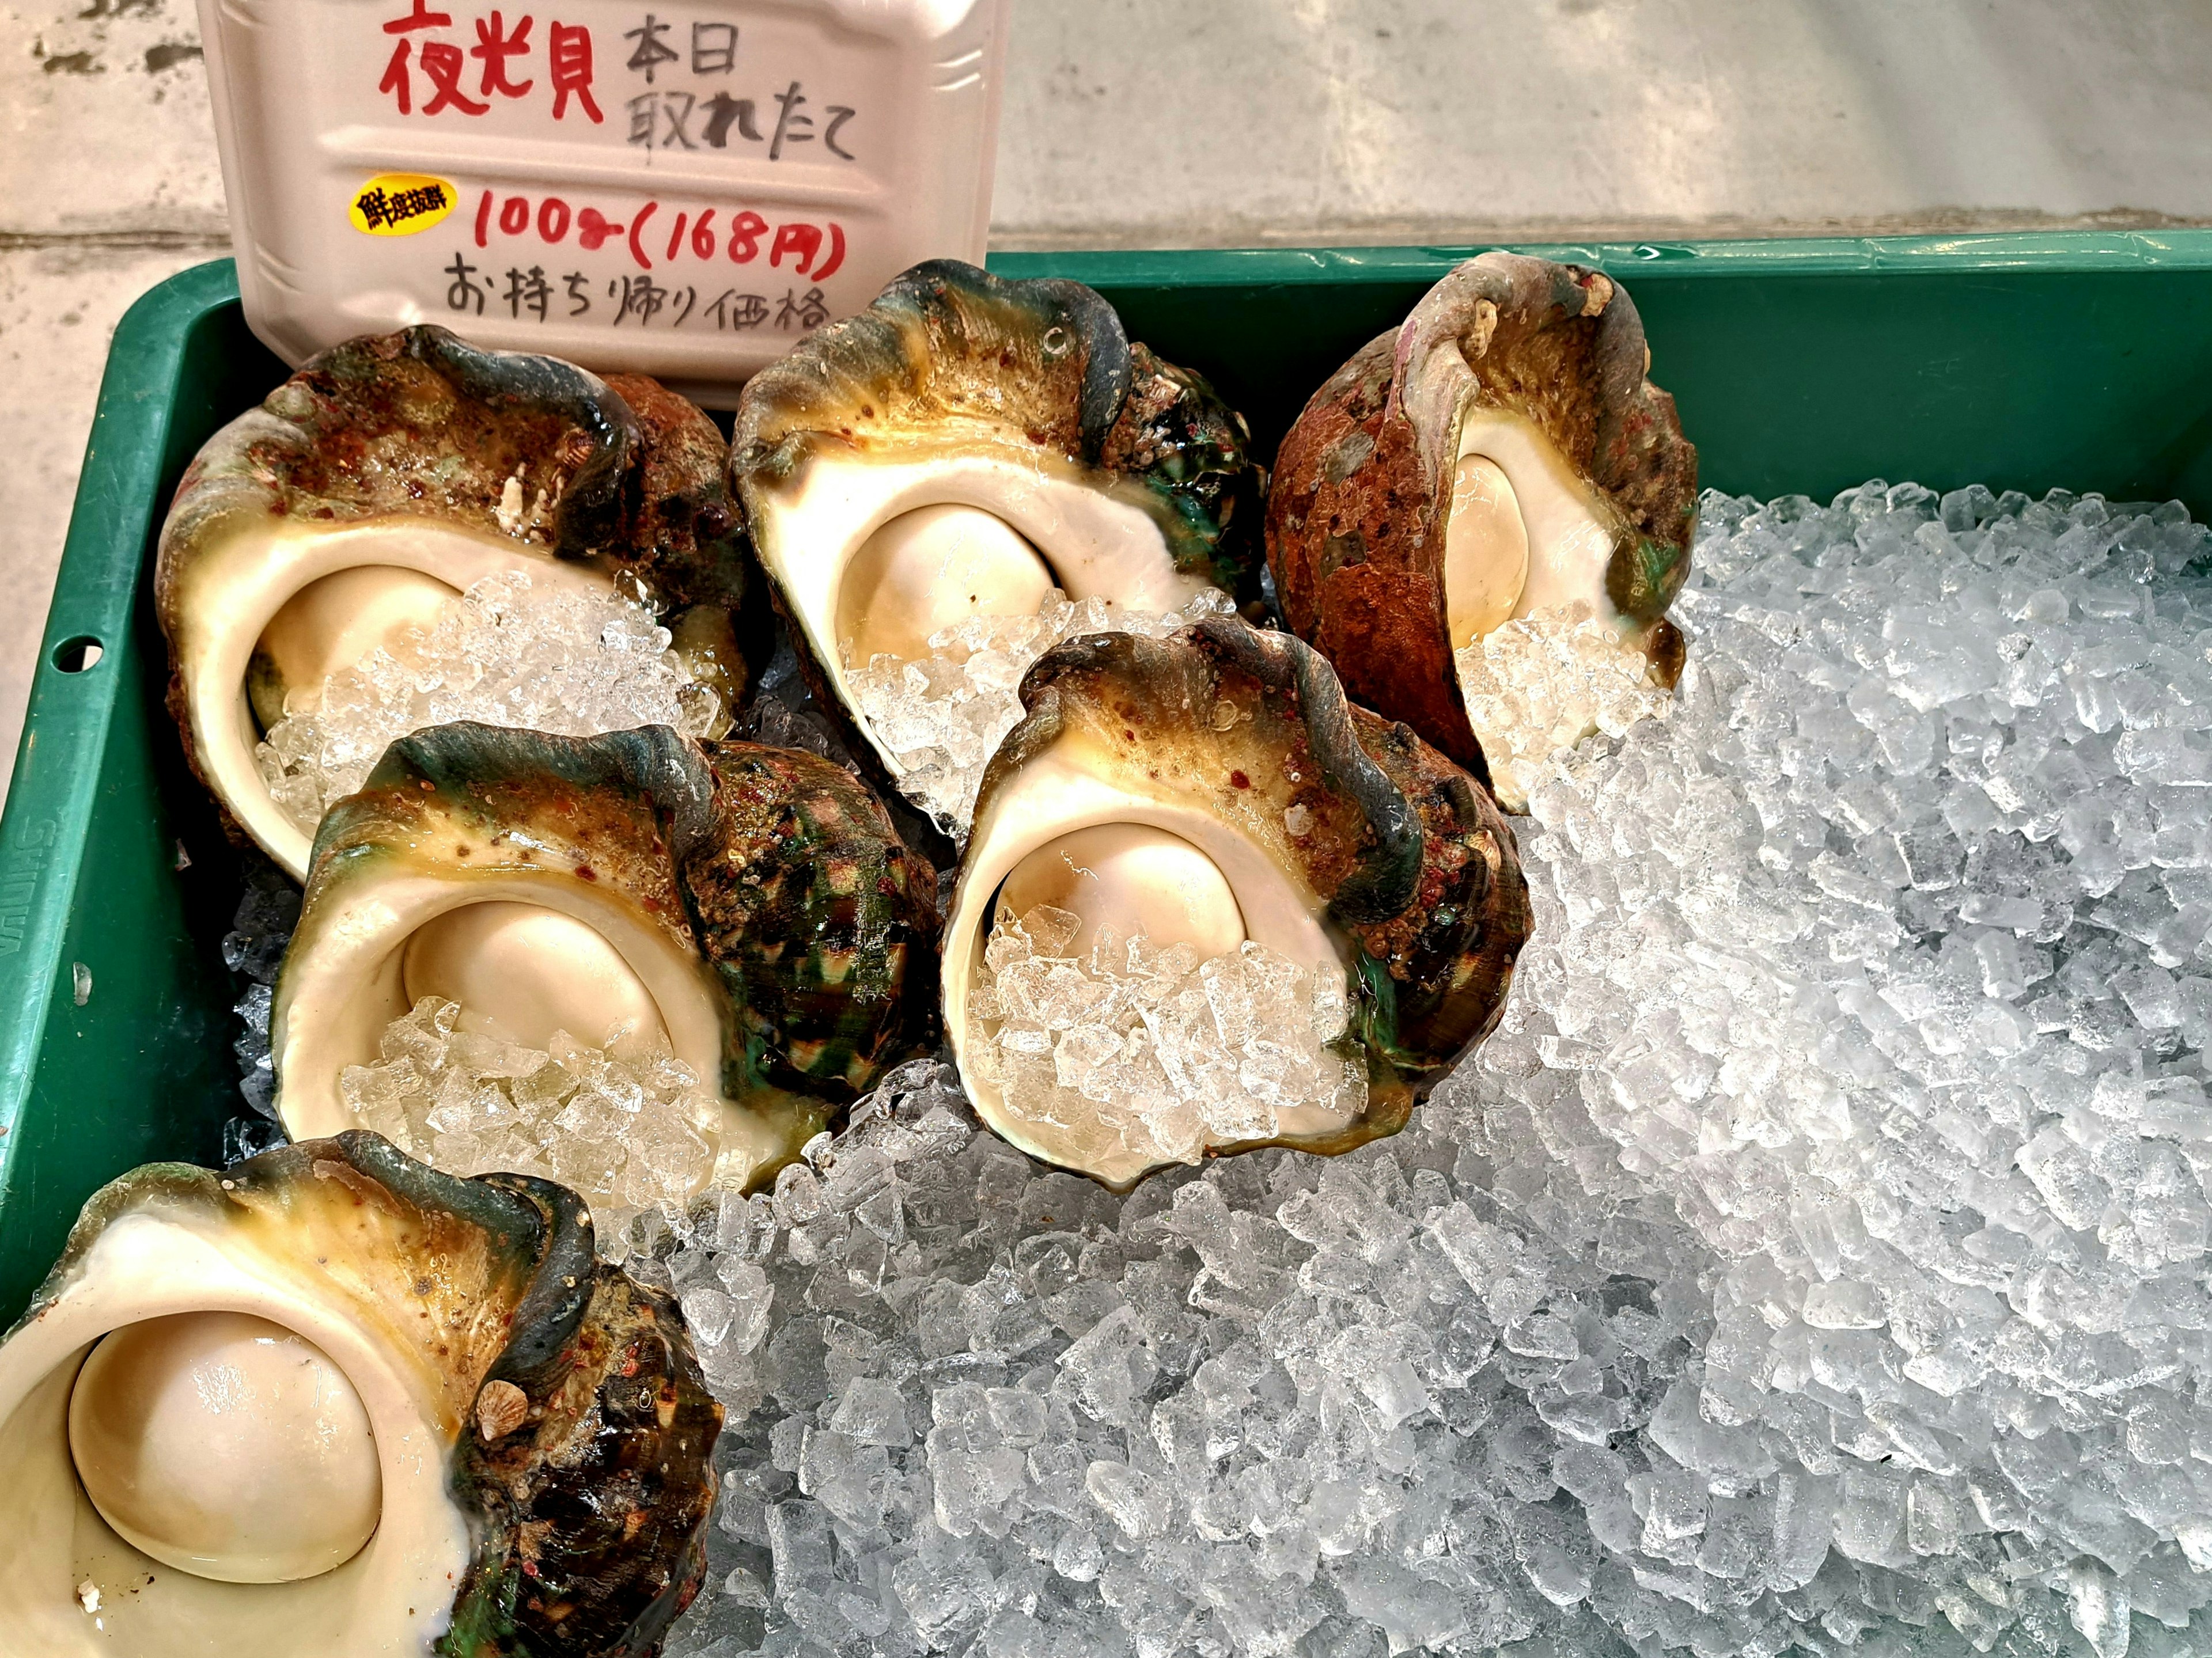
point(1183, 122)
point(1456, 121)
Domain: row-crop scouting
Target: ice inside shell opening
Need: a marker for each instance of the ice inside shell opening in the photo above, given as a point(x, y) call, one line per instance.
point(1160, 871)
point(527, 961)
point(300, 602)
point(1542, 657)
point(917, 547)
point(509, 653)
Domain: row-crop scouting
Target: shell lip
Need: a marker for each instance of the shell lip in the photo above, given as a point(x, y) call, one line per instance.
point(1385, 880)
point(1415, 885)
point(763, 896)
point(589, 515)
point(552, 1307)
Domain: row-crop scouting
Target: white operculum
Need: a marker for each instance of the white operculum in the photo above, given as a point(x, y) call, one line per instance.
point(226, 1446)
point(520, 973)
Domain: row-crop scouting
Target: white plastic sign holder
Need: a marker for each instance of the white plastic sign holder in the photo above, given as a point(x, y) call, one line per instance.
point(677, 190)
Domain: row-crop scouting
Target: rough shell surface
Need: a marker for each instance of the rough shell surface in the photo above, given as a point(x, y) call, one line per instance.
point(1363, 481)
point(625, 477)
point(1410, 856)
point(593, 1511)
point(775, 865)
point(949, 355)
point(607, 1493)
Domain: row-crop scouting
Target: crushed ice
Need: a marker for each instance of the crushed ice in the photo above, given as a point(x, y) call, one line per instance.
point(1152, 1045)
point(943, 718)
point(631, 1133)
point(1813, 1262)
point(505, 653)
point(1540, 684)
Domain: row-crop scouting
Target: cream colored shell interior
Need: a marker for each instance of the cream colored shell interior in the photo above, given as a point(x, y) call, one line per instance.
point(931, 569)
point(1096, 543)
point(523, 972)
point(349, 981)
point(1062, 790)
point(1130, 879)
point(226, 1446)
point(237, 584)
point(393, 1597)
point(1523, 532)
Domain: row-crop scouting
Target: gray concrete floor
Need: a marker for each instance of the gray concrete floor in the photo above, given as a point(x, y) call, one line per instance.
point(1183, 122)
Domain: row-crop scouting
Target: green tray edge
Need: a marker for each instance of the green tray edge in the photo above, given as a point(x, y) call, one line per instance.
point(50, 803)
point(51, 795)
point(2057, 251)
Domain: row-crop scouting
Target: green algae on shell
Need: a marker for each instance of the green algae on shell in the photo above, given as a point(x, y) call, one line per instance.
point(755, 904)
point(1008, 432)
point(385, 477)
point(1347, 845)
point(541, 1430)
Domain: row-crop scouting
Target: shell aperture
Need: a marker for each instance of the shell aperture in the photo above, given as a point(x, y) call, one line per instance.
point(521, 972)
point(757, 900)
point(334, 622)
point(1357, 861)
point(1136, 880)
point(1498, 455)
point(965, 447)
point(391, 474)
point(931, 569)
point(577, 1531)
point(226, 1446)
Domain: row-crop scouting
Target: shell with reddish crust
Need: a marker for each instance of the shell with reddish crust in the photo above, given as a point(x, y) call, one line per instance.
point(1362, 490)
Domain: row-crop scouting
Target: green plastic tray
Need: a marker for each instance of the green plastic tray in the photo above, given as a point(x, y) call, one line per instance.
point(2080, 360)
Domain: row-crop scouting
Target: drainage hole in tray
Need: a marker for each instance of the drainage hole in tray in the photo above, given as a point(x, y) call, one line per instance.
point(78, 654)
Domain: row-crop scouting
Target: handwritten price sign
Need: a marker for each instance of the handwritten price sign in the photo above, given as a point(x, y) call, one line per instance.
point(571, 175)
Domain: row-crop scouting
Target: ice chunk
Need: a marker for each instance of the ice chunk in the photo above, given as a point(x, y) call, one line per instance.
point(1166, 1052)
point(626, 1132)
point(1542, 683)
point(506, 652)
point(943, 719)
point(1810, 1260)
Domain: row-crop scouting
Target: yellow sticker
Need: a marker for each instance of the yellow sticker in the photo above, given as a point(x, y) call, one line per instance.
point(401, 203)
